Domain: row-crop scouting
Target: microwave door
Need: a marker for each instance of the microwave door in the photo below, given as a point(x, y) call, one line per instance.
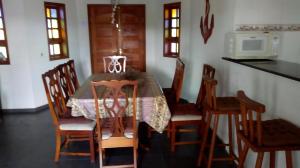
point(252, 46)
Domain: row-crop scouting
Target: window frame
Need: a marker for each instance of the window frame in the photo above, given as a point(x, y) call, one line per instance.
point(169, 40)
point(62, 30)
point(4, 42)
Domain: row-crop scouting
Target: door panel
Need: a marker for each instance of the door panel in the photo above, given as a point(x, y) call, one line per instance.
point(104, 37)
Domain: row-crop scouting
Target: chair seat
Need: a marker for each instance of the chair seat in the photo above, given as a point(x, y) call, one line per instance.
point(278, 133)
point(76, 124)
point(186, 117)
point(227, 104)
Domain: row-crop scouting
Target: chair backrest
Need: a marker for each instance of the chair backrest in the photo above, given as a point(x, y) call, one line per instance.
point(178, 79)
point(73, 76)
point(210, 92)
point(114, 64)
point(208, 72)
point(118, 99)
point(64, 80)
point(56, 100)
point(251, 118)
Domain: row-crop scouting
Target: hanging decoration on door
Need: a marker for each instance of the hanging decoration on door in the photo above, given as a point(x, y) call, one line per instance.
point(206, 30)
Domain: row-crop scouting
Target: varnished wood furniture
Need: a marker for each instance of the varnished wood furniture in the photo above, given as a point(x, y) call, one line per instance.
point(173, 94)
point(214, 108)
point(64, 80)
point(265, 136)
point(114, 64)
point(72, 129)
point(72, 76)
point(190, 114)
point(118, 130)
point(105, 39)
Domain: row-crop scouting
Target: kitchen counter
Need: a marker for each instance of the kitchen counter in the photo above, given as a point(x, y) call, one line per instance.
point(278, 67)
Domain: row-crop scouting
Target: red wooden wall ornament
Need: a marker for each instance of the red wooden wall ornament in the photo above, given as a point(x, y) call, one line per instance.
point(206, 31)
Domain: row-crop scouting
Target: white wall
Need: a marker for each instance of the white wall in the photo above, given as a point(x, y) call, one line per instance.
point(155, 63)
point(21, 83)
point(280, 95)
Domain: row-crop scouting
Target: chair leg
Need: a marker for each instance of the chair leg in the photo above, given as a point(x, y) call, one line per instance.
point(289, 159)
point(92, 147)
point(230, 142)
point(135, 157)
point(272, 159)
point(213, 141)
point(100, 157)
point(239, 144)
point(259, 160)
point(58, 146)
point(205, 136)
point(173, 136)
point(169, 131)
point(243, 155)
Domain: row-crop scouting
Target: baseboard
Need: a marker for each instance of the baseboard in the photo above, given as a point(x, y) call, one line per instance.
point(27, 110)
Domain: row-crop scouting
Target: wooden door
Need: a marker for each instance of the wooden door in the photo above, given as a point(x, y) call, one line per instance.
point(104, 37)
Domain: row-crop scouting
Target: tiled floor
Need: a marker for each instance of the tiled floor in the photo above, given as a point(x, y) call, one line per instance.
point(28, 141)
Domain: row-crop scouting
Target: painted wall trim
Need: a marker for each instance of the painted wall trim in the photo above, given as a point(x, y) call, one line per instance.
point(27, 110)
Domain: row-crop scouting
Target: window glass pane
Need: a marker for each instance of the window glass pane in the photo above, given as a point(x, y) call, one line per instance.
point(178, 12)
point(174, 13)
point(166, 14)
point(173, 47)
point(3, 53)
point(166, 23)
point(56, 49)
point(177, 48)
point(48, 12)
point(54, 23)
point(49, 23)
point(166, 33)
point(173, 33)
point(177, 34)
point(55, 33)
point(62, 23)
point(2, 37)
point(61, 13)
point(0, 13)
point(1, 23)
point(53, 13)
point(50, 33)
point(51, 49)
point(174, 22)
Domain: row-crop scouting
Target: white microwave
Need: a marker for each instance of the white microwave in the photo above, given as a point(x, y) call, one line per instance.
point(252, 45)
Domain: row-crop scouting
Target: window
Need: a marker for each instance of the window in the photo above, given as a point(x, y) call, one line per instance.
point(56, 30)
point(172, 29)
point(4, 58)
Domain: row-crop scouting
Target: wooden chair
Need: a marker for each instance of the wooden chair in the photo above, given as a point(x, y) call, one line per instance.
point(116, 129)
point(72, 129)
point(65, 80)
point(190, 114)
point(173, 94)
point(265, 136)
point(214, 108)
point(72, 76)
point(114, 64)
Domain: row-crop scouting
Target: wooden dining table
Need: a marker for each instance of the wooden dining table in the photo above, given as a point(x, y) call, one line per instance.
point(151, 106)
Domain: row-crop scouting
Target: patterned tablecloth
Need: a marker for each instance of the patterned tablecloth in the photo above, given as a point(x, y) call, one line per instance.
point(152, 106)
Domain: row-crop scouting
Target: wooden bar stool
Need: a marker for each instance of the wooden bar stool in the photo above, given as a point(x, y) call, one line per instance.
point(265, 136)
point(214, 108)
